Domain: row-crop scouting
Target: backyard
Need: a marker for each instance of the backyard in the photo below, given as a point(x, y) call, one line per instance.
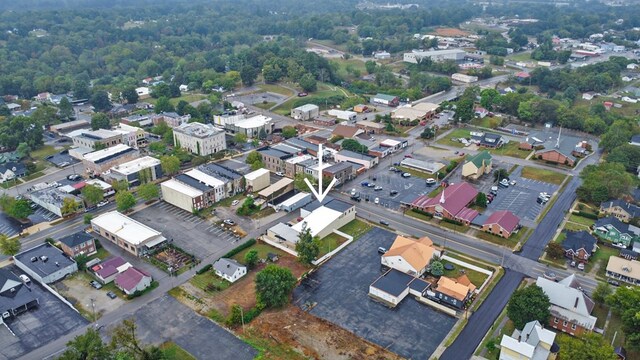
point(544, 175)
point(455, 134)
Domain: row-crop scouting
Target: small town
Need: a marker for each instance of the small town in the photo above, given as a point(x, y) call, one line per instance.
point(319, 180)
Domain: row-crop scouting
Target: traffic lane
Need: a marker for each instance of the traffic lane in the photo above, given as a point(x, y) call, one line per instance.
point(480, 322)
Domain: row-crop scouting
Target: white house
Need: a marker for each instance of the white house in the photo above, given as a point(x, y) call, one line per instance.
point(229, 269)
point(133, 280)
point(143, 92)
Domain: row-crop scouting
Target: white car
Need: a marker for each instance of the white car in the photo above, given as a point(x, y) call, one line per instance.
point(235, 202)
point(512, 182)
point(377, 201)
point(102, 203)
point(353, 192)
point(280, 173)
point(25, 279)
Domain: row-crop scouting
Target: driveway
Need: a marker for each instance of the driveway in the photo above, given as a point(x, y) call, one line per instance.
point(166, 319)
point(341, 286)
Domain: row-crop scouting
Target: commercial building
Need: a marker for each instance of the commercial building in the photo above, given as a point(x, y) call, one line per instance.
point(467, 79)
point(193, 190)
point(132, 280)
point(410, 256)
point(295, 202)
point(233, 181)
point(251, 127)
point(365, 160)
point(570, 307)
point(477, 165)
point(274, 160)
point(97, 162)
point(45, 263)
point(274, 191)
point(127, 233)
point(624, 270)
point(69, 126)
point(533, 342)
point(52, 199)
point(346, 131)
point(342, 172)
point(502, 223)
point(15, 297)
point(200, 139)
point(384, 99)
point(416, 57)
point(79, 243)
point(431, 167)
point(131, 135)
point(229, 269)
point(370, 127)
point(146, 168)
point(257, 180)
point(173, 120)
point(342, 114)
point(326, 218)
point(555, 148)
point(297, 164)
point(97, 138)
point(305, 112)
point(137, 120)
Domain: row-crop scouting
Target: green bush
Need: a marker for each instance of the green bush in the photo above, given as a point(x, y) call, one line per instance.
point(241, 247)
point(204, 269)
point(587, 215)
point(451, 221)
point(154, 284)
point(422, 212)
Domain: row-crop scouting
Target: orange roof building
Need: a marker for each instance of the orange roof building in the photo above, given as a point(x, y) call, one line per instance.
point(454, 292)
point(410, 256)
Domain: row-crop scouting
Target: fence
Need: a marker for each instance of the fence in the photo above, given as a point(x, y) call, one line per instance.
point(472, 267)
point(336, 250)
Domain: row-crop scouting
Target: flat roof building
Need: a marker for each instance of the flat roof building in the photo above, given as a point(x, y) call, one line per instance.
point(15, 296)
point(126, 232)
point(98, 162)
point(94, 138)
point(68, 126)
point(199, 138)
point(305, 112)
point(138, 170)
point(52, 199)
point(258, 180)
point(45, 263)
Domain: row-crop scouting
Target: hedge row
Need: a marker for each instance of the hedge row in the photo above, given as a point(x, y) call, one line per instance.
point(204, 269)
point(451, 221)
point(237, 250)
point(422, 212)
point(587, 215)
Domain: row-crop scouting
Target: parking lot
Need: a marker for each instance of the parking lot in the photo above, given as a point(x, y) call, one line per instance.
point(195, 235)
point(520, 198)
point(37, 327)
point(198, 335)
point(388, 180)
point(341, 287)
point(76, 289)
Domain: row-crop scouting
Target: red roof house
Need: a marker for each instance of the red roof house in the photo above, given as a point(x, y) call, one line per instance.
point(502, 223)
point(108, 269)
point(451, 203)
point(523, 75)
point(132, 280)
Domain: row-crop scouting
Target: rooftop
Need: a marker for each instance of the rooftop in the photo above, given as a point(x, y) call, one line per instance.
point(44, 259)
point(612, 221)
point(136, 165)
point(346, 131)
point(227, 266)
point(275, 153)
point(278, 185)
point(20, 295)
point(99, 134)
point(219, 171)
point(505, 219)
point(183, 188)
point(318, 220)
point(75, 239)
point(205, 178)
point(629, 268)
point(393, 282)
point(371, 124)
point(456, 288)
point(126, 228)
point(453, 198)
point(256, 174)
point(479, 159)
point(130, 278)
point(294, 199)
point(108, 153)
point(577, 240)
point(110, 267)
point(198, 130)
point(307, 107)
point(568, 301)
point(53, 196)
point(285, 232)
point(385, 97)
point(429, 166)
point(253, 122)
point(298, 159)
point(418, 253)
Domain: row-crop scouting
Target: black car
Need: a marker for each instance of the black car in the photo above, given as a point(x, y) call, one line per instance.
point(111, 295)
point(356, 198)
point(384, 222)
point(393, 192)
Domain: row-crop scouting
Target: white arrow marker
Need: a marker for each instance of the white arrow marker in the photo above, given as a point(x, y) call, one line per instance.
point(319, 194)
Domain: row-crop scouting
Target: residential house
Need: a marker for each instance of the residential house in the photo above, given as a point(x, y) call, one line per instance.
point(346, 131)
point(384, 99)
point(579, 245)
point(305, 112)
point(133, 280)
point(451, 203)
point(410, 256)
point(15, 297)
point(487, 140)
point(533, 342)
point(365, 160)
point(624, 270)
point(570, 307)
point(45, 263)
point(477, 165)
point(615, 231)
point(635, 140)
point(127, 233)
point(480, 112)
point(621, 209)
point(107, 270)
point(229, 269)
point(452, 292)
point(502, 223)
point(12, 170)
point(79, 243)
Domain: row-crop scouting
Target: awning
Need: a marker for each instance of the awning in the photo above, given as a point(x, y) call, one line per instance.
point(155, 242)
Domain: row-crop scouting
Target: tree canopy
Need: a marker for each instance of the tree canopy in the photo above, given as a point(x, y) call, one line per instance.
point(307, 246)
point(528, 304)
point(273, 285)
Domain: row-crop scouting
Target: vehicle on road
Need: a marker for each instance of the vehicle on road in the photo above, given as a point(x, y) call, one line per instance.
point(392, 169)
point(74, 177)
point(96, 285)
point(235, 202)
point(550, 275)
point(356, 197)
point(430, 182)
point(384, 222)
point(393, 192)
point(102, 203)
point(302, 94)
point(408, 156)
point(111, 295)
point(377, 201)
point(280, 173)
point(371, 185)
point(353, 192)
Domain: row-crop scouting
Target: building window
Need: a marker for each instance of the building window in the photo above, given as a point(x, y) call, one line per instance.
point(573, 326)
point(555, 320)
point(564, 323)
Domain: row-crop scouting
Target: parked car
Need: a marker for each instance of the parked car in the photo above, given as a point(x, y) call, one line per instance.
point(393, 192)
point(550, 275)
point(302, 94)
point(280, 173)
point(229, 222)
point(364, 183)
point(235, 202)
point(494, 188)
point(512, 182)
point(581, 266)
point(377, 188)
point(25, 279)
point(102, 203)
point(494, 193)
point(504, 183)
point(74, 177)
point(371, 185)
point(356, 197)
point(430, 182)
point(392, 169)
point(613, 282)
point(111, 295)
point(381, 250)
point(384, 222)
point(408, 156)
point(353, 192)
point(406, 175)
point(96, 285)
point(377, 201)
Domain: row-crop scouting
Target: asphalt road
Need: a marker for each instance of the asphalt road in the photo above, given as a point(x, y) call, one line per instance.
point(480, 322)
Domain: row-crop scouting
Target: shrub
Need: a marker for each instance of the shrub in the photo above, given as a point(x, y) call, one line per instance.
point(241, 247)
point(587, 215)
point(450, 221)
point(204, 269)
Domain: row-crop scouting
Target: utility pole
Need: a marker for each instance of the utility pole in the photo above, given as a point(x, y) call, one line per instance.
point(93, 308)
point(242, 318)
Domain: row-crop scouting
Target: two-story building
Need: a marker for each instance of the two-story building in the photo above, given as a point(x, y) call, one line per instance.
point(621, 209)
point(199, 138)
point(570, 307)
point(79, 243)
point(140, 170)
point(477, 165)
point(616, 232)
point(579, 245)
point(97, 162)
point(95, 139)
point(624, 270)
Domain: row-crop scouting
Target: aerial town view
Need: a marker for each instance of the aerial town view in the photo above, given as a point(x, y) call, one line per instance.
point(335, 179)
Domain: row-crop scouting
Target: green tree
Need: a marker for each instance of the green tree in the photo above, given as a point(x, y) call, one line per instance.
point(300, 184)
point(100, 121)
point(148, 191)
point(92, 194)
point(370, 66)
point(500, 174)
point(170, 164)
point(87, 219)
point(23, 150)
point(251, 258)
point(130, 95)
point(254, 159)
point(481, 200)
point(586, 347)
point(240, 138)
point(555, 250)
point(17, 209)
point(100, 101)
point(308, 82)
point(528, 304)
point(437, 268)
point(69, 206)
point(262, 134)
point(88, 346)
point(124, 339)
point(428, 133)
point(274, 285)
point(247, 208)
point(307, 247)
point(625, 302)
point(626, 154)
point(248, 74)
point(125, 200)
point(163, 105)
point(66, 110)
point(289, 132)
point(604, 181)
point(602, 291)
point(9, 246)
point(120, 185)
point(354, 145)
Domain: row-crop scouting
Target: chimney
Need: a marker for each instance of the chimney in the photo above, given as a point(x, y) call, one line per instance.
point(576, 304)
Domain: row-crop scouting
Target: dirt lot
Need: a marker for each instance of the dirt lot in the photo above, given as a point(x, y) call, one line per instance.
point(314, 337)
point(450, 32)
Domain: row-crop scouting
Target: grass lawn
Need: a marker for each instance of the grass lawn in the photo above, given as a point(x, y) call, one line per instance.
point(417, 215)
point(548, 176)
point(469, 259)
point(275, 88)
point(265, 106)
point(454, 227)
point(560, 238)
point(601, 256)
point(575, 227)
point(35, 175)
point(457, 133)
point(174, 101)
point(356, 228)
point(521, 56)
point(507, 329)
point(172, 351)
point(43, 152)
point(486, 122)
point(263, 213)
point(477, 278)
point(601, 313)
point(416, 173)
point(354, 64)
point(588, 208)
point(581, 220)
point(318, 97)
point(330, 243)
point(101, 254)
point(262, 249)
point(203, 281)
point(510, 242)
point(487, 290)
point(511, 149)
